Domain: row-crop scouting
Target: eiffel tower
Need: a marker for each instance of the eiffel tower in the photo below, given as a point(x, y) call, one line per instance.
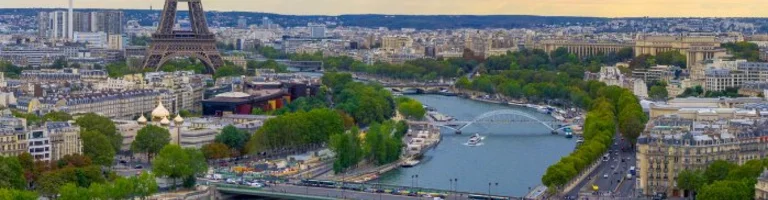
point(197, 43)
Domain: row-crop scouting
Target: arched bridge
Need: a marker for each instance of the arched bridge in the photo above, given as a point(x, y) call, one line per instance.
point(502, 117)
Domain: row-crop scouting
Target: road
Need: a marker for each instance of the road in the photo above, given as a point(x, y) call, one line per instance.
point(610, 175)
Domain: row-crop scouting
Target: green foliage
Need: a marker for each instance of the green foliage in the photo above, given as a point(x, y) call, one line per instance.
point(10, 70)
point(229, 70)
point(70, 191)
point(659, 92)
point(17, 194)
point(233, 137)
point(271, 53)
point(464, 83)
point(305, 104)
point(696, 91)
point(296, 129)
point(12, 173)
point(718, 170)
point(381, 144)
point(365, 103)
point(674, 58)
point(121, 188)
point(336, 81)
point(348, 149)
point(269, 64)
point(174, 162)
point(726, 190)
point(57, 116)
point(728, 92)
point(215, 150)
point(743, 50)
point(631, 119)
point(410, 108)
point(102, 125)
point(120, 69)
point(97, 147)
point(32, 118)
point(691, 180)
point(51, 182)
point(150, 139)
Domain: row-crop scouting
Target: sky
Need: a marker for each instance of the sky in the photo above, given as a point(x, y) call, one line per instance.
point(598, 8)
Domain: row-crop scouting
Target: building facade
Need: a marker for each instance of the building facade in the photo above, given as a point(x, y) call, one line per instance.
point(673, 143)
point(64, 138)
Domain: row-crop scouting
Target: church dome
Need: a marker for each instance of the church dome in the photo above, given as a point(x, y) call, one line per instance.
point(142, 119)
point(178, 119)
point(160, 111)
point(165, 121)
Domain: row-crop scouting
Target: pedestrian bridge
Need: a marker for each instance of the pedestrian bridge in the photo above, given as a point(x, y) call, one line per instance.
point(503, 117)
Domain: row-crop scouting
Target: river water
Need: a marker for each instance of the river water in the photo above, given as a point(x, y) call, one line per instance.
point(515, 155)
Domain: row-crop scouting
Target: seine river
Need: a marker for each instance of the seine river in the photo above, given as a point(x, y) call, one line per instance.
point(514, 156)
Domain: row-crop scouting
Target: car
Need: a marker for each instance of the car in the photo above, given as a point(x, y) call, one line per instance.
point(138, 167)
point(615, 172)
point(613, 167)
point(123, 162)
point(605, 175)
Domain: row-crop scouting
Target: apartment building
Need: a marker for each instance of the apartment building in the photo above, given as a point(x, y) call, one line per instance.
point(673, 143)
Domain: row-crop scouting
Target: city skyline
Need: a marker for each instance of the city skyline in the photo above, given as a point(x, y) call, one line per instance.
point(596, 8)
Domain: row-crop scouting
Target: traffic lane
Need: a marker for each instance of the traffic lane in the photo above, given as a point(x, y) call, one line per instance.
point(337, 193)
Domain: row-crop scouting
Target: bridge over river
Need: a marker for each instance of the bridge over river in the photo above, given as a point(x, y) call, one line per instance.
point(503, 117)
point(338, 190)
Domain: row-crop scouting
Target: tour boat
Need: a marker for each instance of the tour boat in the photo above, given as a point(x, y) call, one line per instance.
point(410, 163)
point(475, 140)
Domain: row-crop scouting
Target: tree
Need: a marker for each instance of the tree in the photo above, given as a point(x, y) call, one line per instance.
point(691, 180)
point(348, 150)
point(718, 170)
point(71, 191)
point(233, 137)
point(197, 164)
point(57, 116)
point(12, 173)
point(463, 83)
point(145, 185)
point(17, 194)
point(150, 140)
point(102, 125)
point(98, 148)
point(658, 92)
point(74, 160)
point(228, 70)
point(175, 163)
point(743, 50)
point(725, 190)
point(215, 151)
point(410, 108)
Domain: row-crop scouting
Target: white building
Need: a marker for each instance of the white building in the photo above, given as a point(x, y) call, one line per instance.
point(92, 39)
point(317, 30)
point(64, 139)
point(639, 88)
point(39, 145)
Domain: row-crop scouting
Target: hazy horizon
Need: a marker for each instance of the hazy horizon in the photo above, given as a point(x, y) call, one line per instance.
point(581, 8)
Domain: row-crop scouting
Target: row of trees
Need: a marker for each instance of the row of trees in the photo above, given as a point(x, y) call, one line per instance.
point(381, 144)
point(268, 64)
point(646, 61)
point(296, 130)
point(722, 180)
point(743, 50)
point(140, 186)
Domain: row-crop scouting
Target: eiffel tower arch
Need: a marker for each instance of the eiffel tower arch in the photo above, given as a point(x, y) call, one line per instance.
point(197, 43)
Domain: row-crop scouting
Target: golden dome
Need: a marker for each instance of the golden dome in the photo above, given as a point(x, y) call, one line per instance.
point(178, 119)
point(160, 111)
point(142, 119)
point(165, 121)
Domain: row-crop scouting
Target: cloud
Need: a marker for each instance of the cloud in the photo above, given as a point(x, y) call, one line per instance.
point(603, 8)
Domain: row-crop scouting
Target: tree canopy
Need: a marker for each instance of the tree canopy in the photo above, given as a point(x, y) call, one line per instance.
point(97, 147)
point(101, 125)
point(150, 140)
